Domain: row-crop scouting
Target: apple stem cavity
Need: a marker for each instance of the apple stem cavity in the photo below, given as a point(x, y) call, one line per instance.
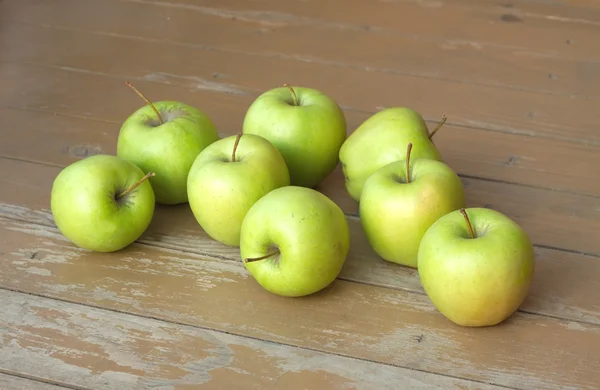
point(464, 213)
point(438, 127)
point(408, 150)
point(148, 102)
point(235, 146)
point(294, 97)
point(134, 186)
point(253, 259)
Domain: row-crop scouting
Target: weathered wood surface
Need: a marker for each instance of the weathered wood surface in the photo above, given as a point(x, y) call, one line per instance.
point(394, 327)
point(103, 349)
point(519, 81)
point(566, 284)
point(11, 382)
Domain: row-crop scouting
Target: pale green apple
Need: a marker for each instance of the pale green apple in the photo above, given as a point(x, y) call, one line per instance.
point(294, 241)
point(223, 184)
point(102, 203)
point(476, 267)
point(305, 125)
point(380, 140)
point(169, 148)
point(395, 212)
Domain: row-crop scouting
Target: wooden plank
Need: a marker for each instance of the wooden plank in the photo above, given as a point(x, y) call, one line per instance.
point(86, 346)
point(526, 160)
point(458, 63)
point(571, 36)
point(553, 292)
point(11, 382)
point(505, 110)
point(378, 324)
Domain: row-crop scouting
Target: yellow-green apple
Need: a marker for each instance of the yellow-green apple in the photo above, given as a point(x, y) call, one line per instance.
point(476, 265)
point(102, 203)
point(305, 125)
point(165, 137)
point(294, 241)
point(401, 200)
point(382, 139)
point(228, 177)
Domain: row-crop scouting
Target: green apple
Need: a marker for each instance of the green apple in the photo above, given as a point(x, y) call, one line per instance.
point(166, 137)
point(294, 241)
point(476, 266)
point(401, 200)
point(383, 139)
point(228, 177)
point(102, 203)
point(305, 125)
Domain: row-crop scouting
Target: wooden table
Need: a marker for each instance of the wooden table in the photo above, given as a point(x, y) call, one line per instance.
point(519, 81)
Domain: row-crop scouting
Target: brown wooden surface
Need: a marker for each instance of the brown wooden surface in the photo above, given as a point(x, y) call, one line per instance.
point(519, 81)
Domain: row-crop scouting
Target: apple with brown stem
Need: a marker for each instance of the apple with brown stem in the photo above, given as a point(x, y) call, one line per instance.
point(228, 177)
point(383, 139)
point(402, 199)
point(102, 203)
point(294, 241)
point(165, 137)
point(476, 266)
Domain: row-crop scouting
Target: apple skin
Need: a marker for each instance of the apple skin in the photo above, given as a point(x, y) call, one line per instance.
point(395, 215)
point(221, 192)
point(380, 140)
point(476, 282)
point(82, 201)
point(309, 230)
point(169, 149)
point(309, 136)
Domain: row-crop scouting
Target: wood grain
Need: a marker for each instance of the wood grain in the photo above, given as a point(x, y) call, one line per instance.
point(101, 349)
point(372, 323)
point(565, 285)
point(515, 111)
point(10, 382)
point(454, 62)
point(525, 160)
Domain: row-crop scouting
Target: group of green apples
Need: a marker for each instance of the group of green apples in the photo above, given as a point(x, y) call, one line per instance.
point(256, 190)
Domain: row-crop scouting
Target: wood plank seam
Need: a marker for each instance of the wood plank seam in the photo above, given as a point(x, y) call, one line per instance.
point(254, 92)
point(181, 323)
point(334, 25)
point(57, 384)
point(178, 250)
point(316, 60)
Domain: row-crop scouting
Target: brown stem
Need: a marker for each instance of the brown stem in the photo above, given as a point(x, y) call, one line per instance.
point(408, 149)
point(148, 102)
point(235, 145)
point(133, 187)
point(464, 213)
point(294, 97)
point(252, 259)
point(438, 127)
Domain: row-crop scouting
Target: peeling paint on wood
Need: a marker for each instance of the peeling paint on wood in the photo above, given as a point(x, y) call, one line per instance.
point(364, 321)
point(106, 350)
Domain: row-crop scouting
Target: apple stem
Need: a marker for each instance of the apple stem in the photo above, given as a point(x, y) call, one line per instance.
point(408, 149)
point(148, 102)
point(133, 187)
point(252, 259)
point(464, 213)
point(438, 127)
point(294, 97)
point(235, 145)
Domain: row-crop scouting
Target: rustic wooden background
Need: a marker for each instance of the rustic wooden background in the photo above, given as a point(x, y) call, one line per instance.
point(519, 81)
